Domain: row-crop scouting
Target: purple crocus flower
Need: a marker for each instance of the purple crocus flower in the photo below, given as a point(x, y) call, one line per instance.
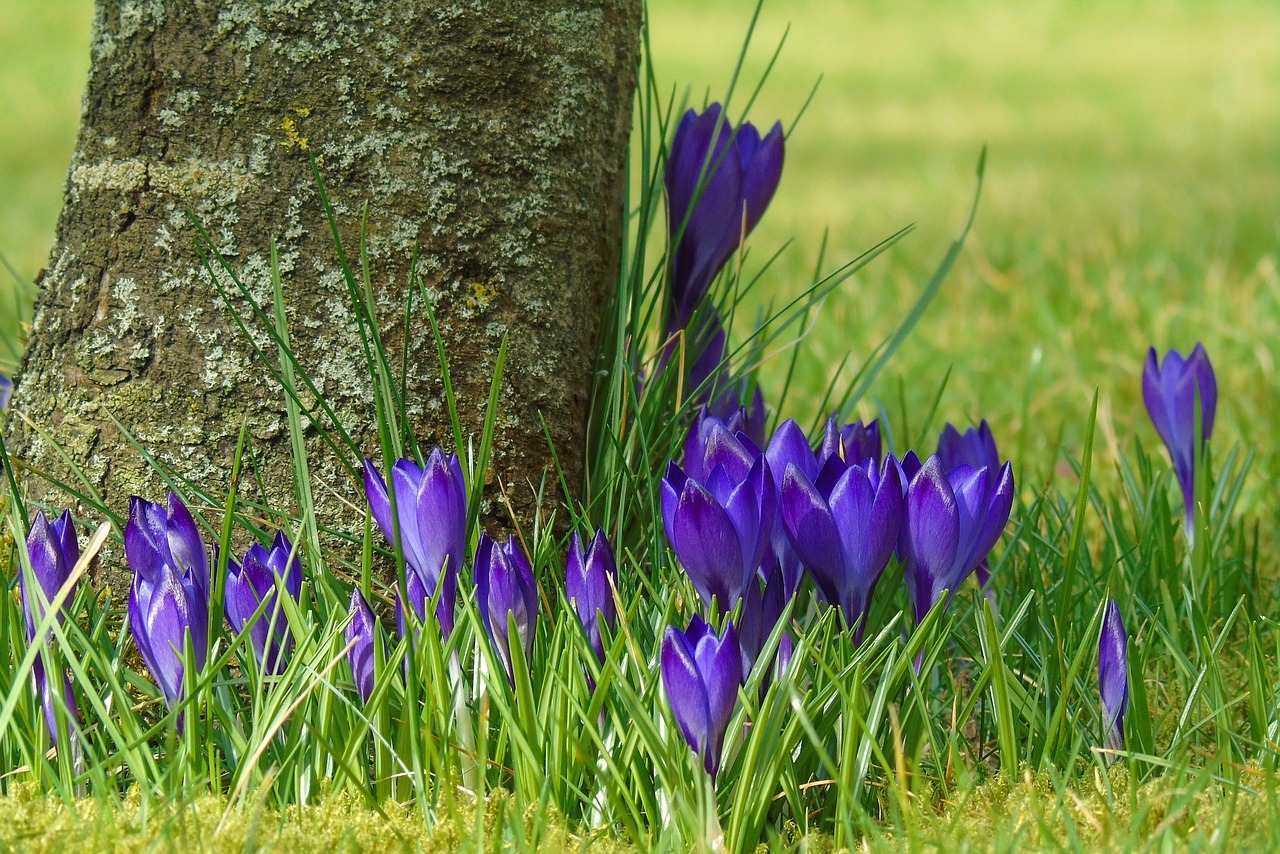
point(169, 598)
point(952, 520)
point(1170, 390)
point(719, 180)
point(761, 610)
point(853, 442)
point(253, 582)
point(976, 448)
point(719, 525)
point(845, 536)
point(1113, 675)
point(54, 551)
point(6, 389)
point(361, 634)
point(431, 504)
point(506, 590)
point(589, 581)
point(701, 673)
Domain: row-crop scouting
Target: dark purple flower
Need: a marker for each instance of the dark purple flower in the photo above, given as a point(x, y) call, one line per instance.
point(952, 520)
point(719, 180)
point(719, 524)
point(431, 505)
point(846, 536)
point(53, 550)
point(701, 674)
point(252, 583)
point(169, 598)
point(361, 634)
point(1170, 390)
point(1113, 675)
point(589, 582)
point(506, 590)
point(6, 389)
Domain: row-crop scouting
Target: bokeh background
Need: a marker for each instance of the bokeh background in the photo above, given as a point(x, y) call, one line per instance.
point(1132, 194)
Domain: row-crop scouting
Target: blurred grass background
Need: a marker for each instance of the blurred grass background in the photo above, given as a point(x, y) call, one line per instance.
point(1132, 194)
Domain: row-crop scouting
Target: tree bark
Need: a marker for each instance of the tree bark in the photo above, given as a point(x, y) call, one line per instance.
point(489, 135)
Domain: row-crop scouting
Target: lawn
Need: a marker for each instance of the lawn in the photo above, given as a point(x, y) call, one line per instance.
point(1131, 199)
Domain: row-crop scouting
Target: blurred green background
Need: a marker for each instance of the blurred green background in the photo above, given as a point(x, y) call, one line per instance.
point(1132, 195)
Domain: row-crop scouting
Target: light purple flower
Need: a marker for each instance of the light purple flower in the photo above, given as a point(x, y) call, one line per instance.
point(506, 591)
point(169, 598)
point(54, 551)
point(589, 581)
point(361, 633)
point(1113, 675)
point(701, 673)
point(253, 582)
point(431, 505)
point(1170, 390)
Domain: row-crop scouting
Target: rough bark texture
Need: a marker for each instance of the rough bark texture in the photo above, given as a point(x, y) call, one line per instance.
point(491, 135)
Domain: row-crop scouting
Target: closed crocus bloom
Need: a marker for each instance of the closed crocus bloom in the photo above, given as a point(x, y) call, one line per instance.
point(589, 580)
point(1169, 390)
point(952, 519)
point(1113, 675)
point(719, 527)
point(701, 673)
point(718, 181)
point(431, 504)
point(53, 550)
point(506, 590)
point(789, 446)
point(253, 582)
point(852, 442)
point(845, 537)
point(361, 634)
point(169, 598)
point(976, 448)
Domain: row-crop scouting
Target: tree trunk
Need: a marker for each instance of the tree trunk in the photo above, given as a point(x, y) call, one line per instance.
point(491, 136)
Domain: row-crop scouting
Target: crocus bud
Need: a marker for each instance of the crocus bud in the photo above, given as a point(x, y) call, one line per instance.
point(169, 598)
point(53, 550)
point(976, 448)
point(1170, 390)
point(589, 580)
point(952, 520)
point(506, 590)
point(701, 673)
point(1113, 675)
point(253, 582)
point(361, 635)
point(431, 505)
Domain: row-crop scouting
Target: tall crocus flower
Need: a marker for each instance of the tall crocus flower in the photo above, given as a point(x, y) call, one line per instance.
point(1169, 390)
point(252, 583)
point(1113, 675)
point(361, 634)
point(846, 536)
point(169, 598)
point(589, 580)
point(431, 506)
point(506, 591)
point(952, 519)
point(701, 673)
point(719, 180)
point(976, 448)
point(719, 525)
point(53, 550)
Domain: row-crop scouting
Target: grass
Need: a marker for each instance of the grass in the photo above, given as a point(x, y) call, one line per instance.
point(1129, 200)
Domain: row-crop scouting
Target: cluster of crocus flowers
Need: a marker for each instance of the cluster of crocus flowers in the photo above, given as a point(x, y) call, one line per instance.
point(1113, 675)
point(53, 551)
point(1171, 390)
point(251, 603)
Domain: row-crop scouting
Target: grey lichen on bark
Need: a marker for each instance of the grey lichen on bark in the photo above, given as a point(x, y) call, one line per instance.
point(490, 136)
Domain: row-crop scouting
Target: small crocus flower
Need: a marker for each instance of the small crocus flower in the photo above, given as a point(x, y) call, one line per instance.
point(589, 581)
point(719, 180)
point(952, 519)
point(506, 591)
point(1113, 675)
point(701, 673)
point(976, 448)
point(1169, 390)
point(54, 551)
point(846, 536)
point(6, 389)
point(431, 505)
point(169, 598)
point(253, 582)
point(719, 526)
point(361, 634)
